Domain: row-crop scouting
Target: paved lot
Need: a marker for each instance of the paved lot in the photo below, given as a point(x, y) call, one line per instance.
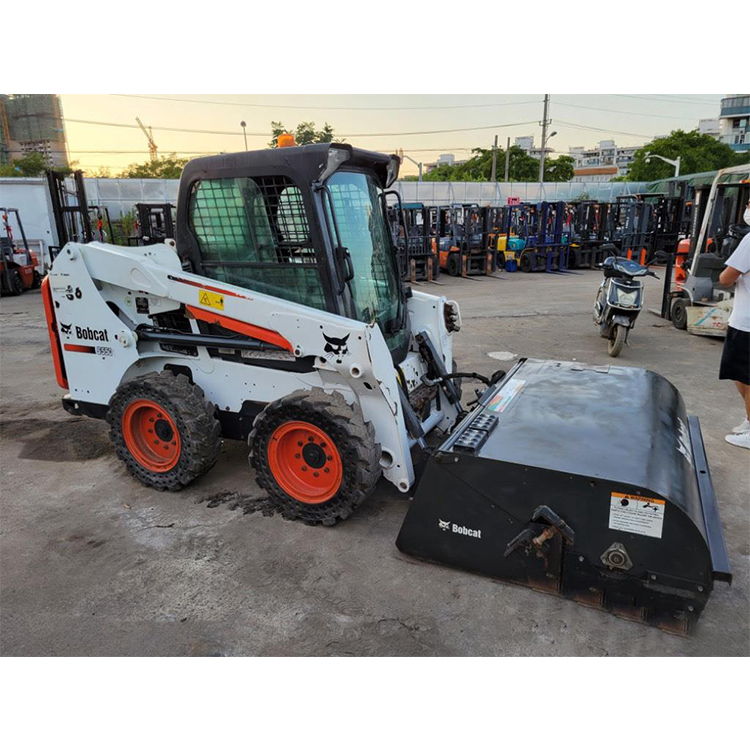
point(94, 564)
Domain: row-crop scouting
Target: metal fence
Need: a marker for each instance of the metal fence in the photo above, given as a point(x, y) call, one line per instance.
point(119, 196)
point(497, 193)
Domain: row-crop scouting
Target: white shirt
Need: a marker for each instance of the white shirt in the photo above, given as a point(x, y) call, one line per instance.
point(740, 261)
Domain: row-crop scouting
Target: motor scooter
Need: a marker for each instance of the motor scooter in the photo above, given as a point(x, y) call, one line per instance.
point(619, 300)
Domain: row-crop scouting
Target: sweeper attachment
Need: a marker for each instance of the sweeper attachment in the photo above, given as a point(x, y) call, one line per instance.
point(278, 316)
point(589, 482)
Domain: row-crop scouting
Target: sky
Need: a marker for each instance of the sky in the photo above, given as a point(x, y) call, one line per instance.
point(377, 122)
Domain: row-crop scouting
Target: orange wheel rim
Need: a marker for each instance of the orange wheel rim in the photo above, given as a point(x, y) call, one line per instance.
point(151, 435)
point(305, 462)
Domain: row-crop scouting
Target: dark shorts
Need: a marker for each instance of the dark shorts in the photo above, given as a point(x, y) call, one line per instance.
point(735, 359)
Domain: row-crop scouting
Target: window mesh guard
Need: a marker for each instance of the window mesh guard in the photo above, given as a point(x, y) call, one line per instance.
point(254, 233)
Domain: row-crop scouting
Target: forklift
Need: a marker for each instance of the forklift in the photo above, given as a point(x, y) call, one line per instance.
point(592, 229)
point(692, 298)
point(413, 232)
point(154, 224)
point(548, 240)
point(278, 317)
point(462, 242)
point(18, 264)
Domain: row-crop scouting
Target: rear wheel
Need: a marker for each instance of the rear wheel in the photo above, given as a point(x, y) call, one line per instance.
point(37, 282)
point(679, 313)
point(315, 456)
point(615, 344)
point(525, 263)
point(164, 430)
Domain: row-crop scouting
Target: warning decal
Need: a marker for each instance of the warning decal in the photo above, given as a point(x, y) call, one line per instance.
point(505, 395)
point(636, 514)
point(211, 299)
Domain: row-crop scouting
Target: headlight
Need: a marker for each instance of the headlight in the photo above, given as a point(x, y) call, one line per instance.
point(627, 299)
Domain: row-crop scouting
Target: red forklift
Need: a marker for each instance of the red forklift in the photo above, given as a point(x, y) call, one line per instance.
point(18, 265)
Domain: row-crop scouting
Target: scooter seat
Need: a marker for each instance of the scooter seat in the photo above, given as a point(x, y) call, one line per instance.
point(614, 266)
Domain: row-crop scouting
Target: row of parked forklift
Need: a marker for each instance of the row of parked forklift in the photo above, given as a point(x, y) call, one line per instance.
point(469, 240)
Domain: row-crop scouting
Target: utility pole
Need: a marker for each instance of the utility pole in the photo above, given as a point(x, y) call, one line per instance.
point(243, 125)
point(544, 137)
point(493, 174)
point(507, 161)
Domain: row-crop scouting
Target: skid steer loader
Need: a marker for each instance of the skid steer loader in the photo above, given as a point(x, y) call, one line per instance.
point(278, 316)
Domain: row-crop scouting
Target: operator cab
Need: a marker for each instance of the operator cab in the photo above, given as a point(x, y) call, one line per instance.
point(306, 224)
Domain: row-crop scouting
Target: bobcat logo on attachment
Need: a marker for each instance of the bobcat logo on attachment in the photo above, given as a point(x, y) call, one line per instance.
point(444, 525)
point(336, 347)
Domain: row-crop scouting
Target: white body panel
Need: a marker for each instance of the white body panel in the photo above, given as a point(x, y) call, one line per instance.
point(85, 278)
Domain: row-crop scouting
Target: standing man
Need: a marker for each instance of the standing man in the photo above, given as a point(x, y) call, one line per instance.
point(735, 360)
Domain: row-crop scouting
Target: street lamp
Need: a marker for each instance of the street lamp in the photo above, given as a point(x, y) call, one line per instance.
point(416, 163)
point(243, 125)
point(543, 157)
point(674, 162)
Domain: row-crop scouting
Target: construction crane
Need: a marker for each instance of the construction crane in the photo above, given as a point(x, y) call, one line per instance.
point(152, 149)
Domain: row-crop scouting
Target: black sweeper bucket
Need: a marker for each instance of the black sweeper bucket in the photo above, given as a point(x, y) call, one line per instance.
point(589, 482)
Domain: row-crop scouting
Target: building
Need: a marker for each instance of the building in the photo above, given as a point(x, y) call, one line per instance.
point(32, 123)
point(734, 122)
point(602, 163)
point(448, 160)
point(526, 143)
point(709, 126)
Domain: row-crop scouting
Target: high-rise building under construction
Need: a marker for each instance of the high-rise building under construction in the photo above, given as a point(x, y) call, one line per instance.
point(32, 123)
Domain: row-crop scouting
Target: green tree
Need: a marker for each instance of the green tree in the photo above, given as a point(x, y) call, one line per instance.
point(166, 167)
point(521, 168)
point(303, 134)
point(31, 165)
point(697, 152)
point(559, 169)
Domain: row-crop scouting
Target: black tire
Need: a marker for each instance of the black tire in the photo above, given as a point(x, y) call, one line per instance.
point(615, 344)
point(454, 265)
point(193, 416)
point(16, 283)
point(352, 437)
point(525, 262)
point(500, 260)
point(679, 313)
point(37, 282)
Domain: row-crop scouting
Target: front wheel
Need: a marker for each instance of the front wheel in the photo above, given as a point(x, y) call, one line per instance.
point(315, 456)
point(525, 264)
point(615, 344)
point(454, 265)
point(16, 283)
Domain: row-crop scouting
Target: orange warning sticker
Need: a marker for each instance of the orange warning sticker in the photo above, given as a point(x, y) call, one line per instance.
point(637, 514)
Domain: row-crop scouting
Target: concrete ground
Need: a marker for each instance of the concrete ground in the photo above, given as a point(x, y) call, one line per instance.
point(92, 563)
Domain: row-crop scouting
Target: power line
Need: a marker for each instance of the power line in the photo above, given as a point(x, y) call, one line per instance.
point(304, 106)
point(601, 130)
point(341, 135)
point(623, 112)
point(669, 101)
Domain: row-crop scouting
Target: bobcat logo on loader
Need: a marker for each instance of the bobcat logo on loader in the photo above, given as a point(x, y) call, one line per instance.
point(444, 525)
point(65, 328)
point(336, 347)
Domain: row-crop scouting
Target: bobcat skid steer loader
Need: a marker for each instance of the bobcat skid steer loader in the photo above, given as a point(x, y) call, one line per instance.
point(278, 317)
